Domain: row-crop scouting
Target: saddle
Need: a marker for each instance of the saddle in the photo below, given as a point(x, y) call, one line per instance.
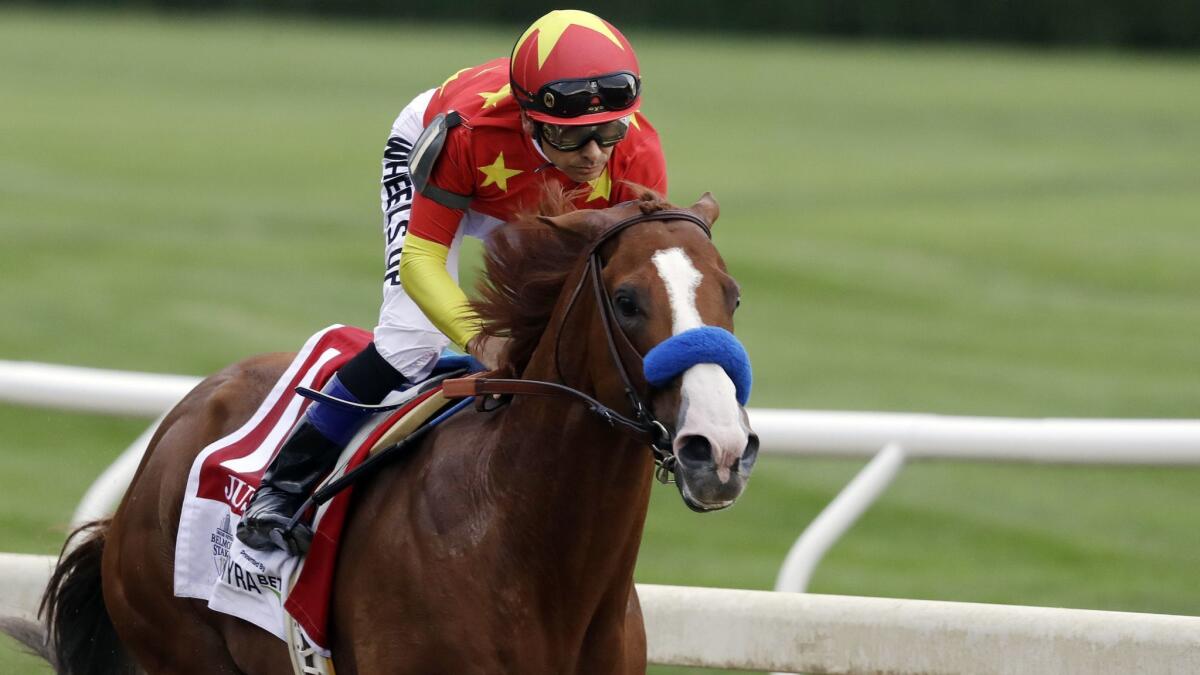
point(282, 594)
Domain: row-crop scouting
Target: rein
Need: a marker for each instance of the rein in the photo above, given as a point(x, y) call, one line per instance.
point(642, 426)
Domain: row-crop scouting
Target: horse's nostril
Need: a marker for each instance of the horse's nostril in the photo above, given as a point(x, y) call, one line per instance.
point(695, 450)
point(749, 455)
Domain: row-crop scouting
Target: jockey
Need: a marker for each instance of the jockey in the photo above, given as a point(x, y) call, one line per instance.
point(461, 160)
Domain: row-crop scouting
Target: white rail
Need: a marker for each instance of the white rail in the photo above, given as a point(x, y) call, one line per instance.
point(755, 630)
point(853, 434)
point(22, 579)
point(837, 518)
point(794, 632)
point(906, 436)
point(926, 436)
point(112, 392)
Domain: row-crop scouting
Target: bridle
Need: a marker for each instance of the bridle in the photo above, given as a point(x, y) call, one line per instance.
point(642, 425)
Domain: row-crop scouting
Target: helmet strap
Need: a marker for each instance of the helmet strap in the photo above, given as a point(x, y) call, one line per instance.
point(537, 140)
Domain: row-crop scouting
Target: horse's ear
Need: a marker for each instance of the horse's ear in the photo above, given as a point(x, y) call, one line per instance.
point(707, 208)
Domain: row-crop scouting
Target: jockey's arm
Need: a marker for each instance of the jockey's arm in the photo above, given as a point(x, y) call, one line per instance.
point(423, 272)
point(424, 276)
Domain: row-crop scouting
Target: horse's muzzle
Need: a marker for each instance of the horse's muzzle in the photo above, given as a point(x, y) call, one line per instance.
point(705, 485)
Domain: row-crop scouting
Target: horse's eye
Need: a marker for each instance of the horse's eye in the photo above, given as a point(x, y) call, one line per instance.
point(737, 303)
point(626, 306)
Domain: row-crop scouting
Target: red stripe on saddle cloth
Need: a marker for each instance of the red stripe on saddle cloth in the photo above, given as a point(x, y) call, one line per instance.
point(244, 450)
point(309, 601)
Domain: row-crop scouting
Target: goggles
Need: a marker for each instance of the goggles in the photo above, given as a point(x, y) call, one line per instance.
point(570, 138)
point(572, 98)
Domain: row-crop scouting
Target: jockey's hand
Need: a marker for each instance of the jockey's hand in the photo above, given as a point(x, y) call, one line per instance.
point(488, 349)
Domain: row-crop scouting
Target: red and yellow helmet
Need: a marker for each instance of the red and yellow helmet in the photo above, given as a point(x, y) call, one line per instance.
point(574, 68)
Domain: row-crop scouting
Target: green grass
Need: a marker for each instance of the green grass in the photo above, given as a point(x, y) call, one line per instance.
point(956, 230)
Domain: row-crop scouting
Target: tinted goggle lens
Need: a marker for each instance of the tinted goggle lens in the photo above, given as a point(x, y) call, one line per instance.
point(572, 98)
point(568, 138)
point(618, 91)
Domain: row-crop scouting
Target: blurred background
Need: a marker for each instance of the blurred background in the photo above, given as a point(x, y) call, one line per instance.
point(986, 208)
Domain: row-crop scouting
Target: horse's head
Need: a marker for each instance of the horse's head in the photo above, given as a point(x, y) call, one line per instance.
point(674, 300)
point(663, 315)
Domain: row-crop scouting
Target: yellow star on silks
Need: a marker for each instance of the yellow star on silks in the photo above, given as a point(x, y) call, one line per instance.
point(491, 98)
point(453, 77)
point(498, 174)
point(551, 27)
point(601, 186)
point(460, 71)
point(633, 119)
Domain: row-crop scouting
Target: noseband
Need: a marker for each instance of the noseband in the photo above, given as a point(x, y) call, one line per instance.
point(642, 425)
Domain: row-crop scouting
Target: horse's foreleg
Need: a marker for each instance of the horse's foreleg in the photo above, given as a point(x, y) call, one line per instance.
point(635, 636)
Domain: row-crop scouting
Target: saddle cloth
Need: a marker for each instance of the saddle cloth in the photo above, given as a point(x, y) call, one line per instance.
point(212, 565)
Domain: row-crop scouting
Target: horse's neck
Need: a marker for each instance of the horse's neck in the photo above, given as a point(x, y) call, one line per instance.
point(583, 487)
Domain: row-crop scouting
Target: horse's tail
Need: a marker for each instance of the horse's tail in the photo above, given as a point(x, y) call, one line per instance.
point(82, 639)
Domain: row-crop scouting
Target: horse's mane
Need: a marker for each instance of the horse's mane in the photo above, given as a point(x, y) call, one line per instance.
point(527, 262)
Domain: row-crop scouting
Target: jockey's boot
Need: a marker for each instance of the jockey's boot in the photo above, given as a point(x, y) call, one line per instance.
point(310, 451)
point(306, 456)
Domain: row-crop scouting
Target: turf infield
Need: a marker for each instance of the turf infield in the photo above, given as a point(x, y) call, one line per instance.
point(955, 230)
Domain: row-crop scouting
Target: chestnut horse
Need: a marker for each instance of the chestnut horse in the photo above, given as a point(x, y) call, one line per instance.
point(505, 542)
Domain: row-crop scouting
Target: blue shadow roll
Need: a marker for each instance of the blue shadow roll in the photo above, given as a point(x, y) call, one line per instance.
point(706, 344)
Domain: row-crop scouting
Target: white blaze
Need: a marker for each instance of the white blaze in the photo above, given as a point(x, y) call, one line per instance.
point(708, 406)
point(681, 280)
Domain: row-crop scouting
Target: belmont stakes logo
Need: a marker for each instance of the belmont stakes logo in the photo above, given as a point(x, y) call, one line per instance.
point(221, 540)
